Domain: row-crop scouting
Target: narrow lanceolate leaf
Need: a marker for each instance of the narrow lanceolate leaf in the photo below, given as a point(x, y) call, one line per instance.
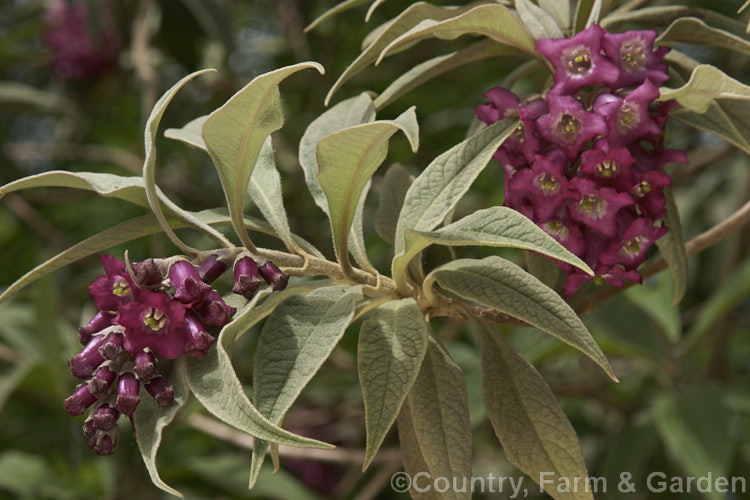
point(692, 30)
point(295, 342)
point(539, 23)
point(215, 384)
point(357, 234)
point(587, 13)
point(149, 163)
point(150, 420)
point(397, 180)
point(534, 431)
point(706, 85)
point(409, 18)
point(264, 189)
point(672, 248)
point(348, 159)
point(441, 185)
point(191, 133)
point(505, 287)
point(495, 227)
point(434, 67)
point(494, 21)
point(559, 10)
point(392, 345)
point(728, 119)
point(435, 418)
point(234, 135)
point(659, 17)
point(337, 9)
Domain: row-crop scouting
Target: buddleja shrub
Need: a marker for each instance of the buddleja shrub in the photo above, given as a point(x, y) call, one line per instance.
point(584, 187)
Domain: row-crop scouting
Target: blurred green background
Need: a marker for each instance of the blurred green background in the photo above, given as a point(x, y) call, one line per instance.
point(683, 403)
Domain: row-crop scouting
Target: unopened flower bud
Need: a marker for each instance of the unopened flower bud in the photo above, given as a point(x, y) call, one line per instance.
point(98, 323)
point(103, 443)
point(211, 268)
point(187, 283)
point(273, 275)
point(127, 394)
point(82, 365)
point(161, 392)
point(112, 346)
point(105, 417)
point(246, 280)
point(198, 341)
point(147, 273)
point(145, 366)
point(81, 399)
point(214, 311)
point(102, 380)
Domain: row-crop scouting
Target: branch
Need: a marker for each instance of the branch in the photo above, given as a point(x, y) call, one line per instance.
point(30, 151)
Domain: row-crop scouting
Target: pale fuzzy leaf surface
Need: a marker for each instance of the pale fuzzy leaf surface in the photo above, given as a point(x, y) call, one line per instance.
point(347, 160)
point(234, 135)
point(496, 227)
point(559, 9)
point(501, 285)
point(414, 461)
point(392, 345)
point(348, 113)
point(336, 9)
point(357, 234)
point(397, 180)
point(149, 162)
point(150, 420)
point(538, 21)
point(659, 17)
point(191, 133)
point(296, 340)
point(371, 10)
point(729, 120)
point(410, 17)
point(436, 66)
point(493, 21)
point(692, 30)
point(437, 411)
point(534, 431)
point(706, 85)
point(215, 384)
point(672, 248)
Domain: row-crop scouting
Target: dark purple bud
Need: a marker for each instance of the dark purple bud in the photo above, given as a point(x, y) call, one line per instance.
point(147, 273)
point(214, 311)
point(273, 275)
point(102, 380)
point(187, 283)
point(89, 428)
point(98, 323)
point(82, 365)
point(112, 346)
point(211, 268)
point(145, 366)
point(103, 443)
point(161, 392)
point(198, 340)
point(81, 399)
point(246, 280)
point(127, 393)
point(105, 417)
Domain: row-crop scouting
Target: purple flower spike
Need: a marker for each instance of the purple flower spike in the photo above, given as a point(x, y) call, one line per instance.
point(105, 417)
point(273, 275)
point(198, 340)
point(83, 364)
point(147, 273)
point(211, 268)
point(102, 380)
point(160, 391)
point(81, 399)
point(546, 185)
point(187, 283)
point(112, 346)
point(634, 52)
point(98, 323)
point(597, 207)
point(568, 125)
point(127, 393)
point(113, 289)
point(578, 61)
point(246, 280)
point(104, 443)
point(154, 321)
point(610, 168)
point(145, 366)
point(214, 311)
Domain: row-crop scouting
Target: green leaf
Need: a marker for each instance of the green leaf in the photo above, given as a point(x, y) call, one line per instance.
point(539, 23)
point(440, 186)
point(505, 287)
point(24, 474)
point(405, 21)
point(434, 422)
point(234, 135)
point(495, 227)
point(150, 420)
point(397, 180)
point(672, 248)
point(706, 85)
point(431, 68)
point(214, 382)
point(587, 13)
point(371, 10)
point(534, 431)
point(494, 21)
point(392, 346)
point(656, 298)
point(347, 160)
point(339, 8)
point(296, 340)
point(661, 16)
point(10, 378)
point(357, 233)
point(559, 10)
point(728, 120)
point(191, 133)
point(149, 163)
point(696, 429)
point(692, 30)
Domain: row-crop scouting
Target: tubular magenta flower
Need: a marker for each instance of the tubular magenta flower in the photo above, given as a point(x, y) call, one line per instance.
point(568, 125)
point(246, 280)
point(597, 207)
point(634, 53)
point(189, 288)
point(154, 321)
point(113, 289)
point(273, 275)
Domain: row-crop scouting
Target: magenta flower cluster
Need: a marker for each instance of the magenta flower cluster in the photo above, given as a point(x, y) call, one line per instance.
point(585, 161)
point(161, 310)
